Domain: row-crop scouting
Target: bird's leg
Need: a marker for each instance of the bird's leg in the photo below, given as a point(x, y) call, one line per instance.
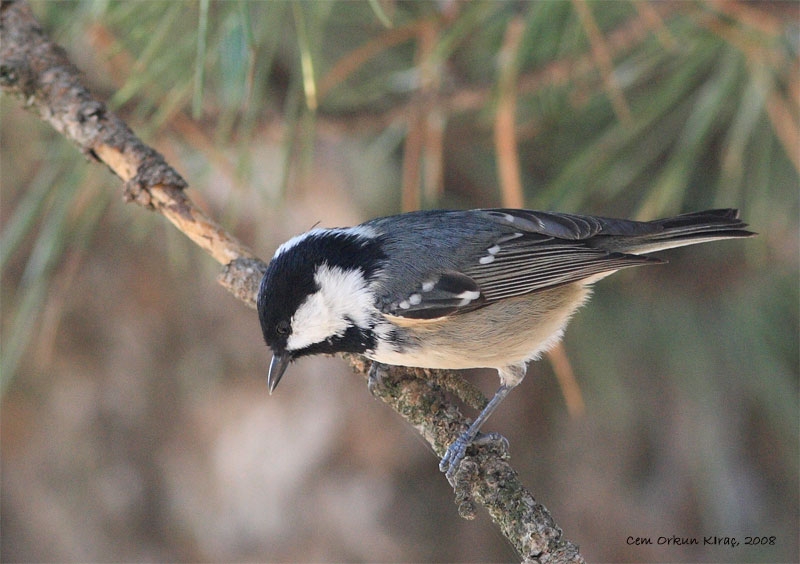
point(509, 378)
point(456, 451)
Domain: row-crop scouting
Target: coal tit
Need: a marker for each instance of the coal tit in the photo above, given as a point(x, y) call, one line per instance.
point(455, 289)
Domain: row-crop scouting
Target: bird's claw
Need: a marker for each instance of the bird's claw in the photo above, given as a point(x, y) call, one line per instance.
point(454, 455)
point(458, 449)
point(375, 381)
point(495, 440)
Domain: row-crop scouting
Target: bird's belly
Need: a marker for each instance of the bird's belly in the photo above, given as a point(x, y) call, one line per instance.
point(501, 334)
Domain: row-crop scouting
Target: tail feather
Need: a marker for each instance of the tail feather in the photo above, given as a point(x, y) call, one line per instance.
point(685, 229)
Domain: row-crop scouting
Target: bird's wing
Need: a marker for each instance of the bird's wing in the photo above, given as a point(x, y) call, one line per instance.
point(529, 251)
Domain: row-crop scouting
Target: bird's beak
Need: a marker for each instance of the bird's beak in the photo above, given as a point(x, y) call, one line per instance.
point(276, 369)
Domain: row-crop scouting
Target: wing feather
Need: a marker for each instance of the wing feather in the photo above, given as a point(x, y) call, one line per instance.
point(544, 267)
point(509, 253)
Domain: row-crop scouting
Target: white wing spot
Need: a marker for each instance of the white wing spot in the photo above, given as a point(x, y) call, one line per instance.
point(507, 238)
point(428, 286)
point(493, 250)
point(415, 299)
point(487, 259)
point(404, 304)
point(467, 296)
point(509, 218)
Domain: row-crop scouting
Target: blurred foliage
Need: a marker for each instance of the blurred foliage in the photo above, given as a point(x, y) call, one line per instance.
point(706, 110)
point(702, 82)
point(622, 108)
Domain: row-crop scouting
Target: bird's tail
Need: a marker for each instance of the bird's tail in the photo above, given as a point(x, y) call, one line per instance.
point(685, 229)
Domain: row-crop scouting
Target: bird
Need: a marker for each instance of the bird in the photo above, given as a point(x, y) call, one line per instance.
point(456, 289)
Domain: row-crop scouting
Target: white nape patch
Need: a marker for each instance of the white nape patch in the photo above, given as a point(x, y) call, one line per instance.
point(468, 296)
point(415, 299)
point(487, 259)
point(428, 286)
point(342, 299)
point(359, 231)
point(294, 241)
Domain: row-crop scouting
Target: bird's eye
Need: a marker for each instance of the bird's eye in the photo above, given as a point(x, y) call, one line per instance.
point(282, 328)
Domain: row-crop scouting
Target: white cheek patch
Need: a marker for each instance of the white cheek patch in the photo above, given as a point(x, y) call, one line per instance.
point(342, 300)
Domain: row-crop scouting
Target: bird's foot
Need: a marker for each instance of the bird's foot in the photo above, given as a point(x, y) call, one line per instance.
point(493, 441)
point(451, 461)
point(454, 455)
point(375, 382)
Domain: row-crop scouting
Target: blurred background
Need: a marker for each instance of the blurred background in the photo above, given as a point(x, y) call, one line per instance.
point(136, 424)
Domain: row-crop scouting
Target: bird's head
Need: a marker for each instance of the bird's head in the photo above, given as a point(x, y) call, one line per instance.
point(315, 297)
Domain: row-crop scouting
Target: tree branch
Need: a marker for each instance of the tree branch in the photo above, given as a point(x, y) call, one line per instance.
point(38, 70)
